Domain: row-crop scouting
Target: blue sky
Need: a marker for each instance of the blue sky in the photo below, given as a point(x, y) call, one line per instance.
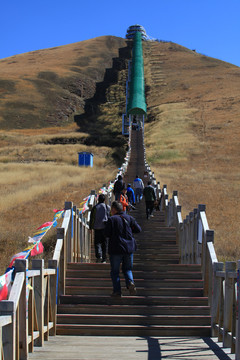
point(209, 26)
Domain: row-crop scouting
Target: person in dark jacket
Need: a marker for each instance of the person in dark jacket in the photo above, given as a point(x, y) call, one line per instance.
point(98, 219)
point(150, 196)
point(119, 229)
point(118, 187)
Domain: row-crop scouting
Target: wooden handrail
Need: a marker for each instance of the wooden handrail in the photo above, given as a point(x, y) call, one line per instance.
point(196, 245)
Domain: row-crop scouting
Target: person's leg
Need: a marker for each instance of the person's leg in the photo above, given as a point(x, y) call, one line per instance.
point(138, 195)
point(117, 196)
point(127, 266)
point(147, 209)
point(151, 207)
point(97, 244)
point(103, 246)
point(115, 261)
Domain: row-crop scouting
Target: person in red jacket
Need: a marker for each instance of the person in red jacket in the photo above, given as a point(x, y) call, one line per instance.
point(124, 199)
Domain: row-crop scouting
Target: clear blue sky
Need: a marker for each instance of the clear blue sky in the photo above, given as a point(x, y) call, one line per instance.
point(209, 26)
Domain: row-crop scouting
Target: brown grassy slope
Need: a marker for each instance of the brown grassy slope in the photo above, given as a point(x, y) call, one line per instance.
point(192, 134)
point(36, 177)
point(45, 87)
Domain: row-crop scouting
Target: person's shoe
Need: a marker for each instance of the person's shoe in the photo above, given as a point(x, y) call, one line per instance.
point(103, 261)
point(152, 215)
point(132, 288)
point(116, 294)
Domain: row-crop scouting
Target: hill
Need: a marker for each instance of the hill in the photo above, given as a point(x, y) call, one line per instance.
point(56, 102)
point(192, 134)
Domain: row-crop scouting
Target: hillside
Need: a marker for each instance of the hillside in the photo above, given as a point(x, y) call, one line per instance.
point(45, 87)
point(193, 133)
point(56, 102)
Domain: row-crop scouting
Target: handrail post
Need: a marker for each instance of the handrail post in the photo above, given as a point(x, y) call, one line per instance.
point(187, 240)
point(7, 307)
point(228, 303)
point(238, 314)
point(195, 240)
point(62, 263)
point(52, 264)
point(21, 266)
point(39, 299)
point(191, 237)
point(208, 265)
point(74, 236)
point(78, 236)
point(69, 235)
point(216, 296)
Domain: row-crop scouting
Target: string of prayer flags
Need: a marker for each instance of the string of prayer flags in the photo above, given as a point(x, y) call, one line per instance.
point(21, 255)
point(84, 204)
point(5, 284)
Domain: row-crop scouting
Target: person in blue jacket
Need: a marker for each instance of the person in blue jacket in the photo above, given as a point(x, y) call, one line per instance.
point(121, 246)
point(130, 195)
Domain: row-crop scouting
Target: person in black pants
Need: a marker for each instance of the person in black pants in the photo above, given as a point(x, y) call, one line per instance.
point(150, 196)
point(119, 229)
point(98, 219)
point(119, 185)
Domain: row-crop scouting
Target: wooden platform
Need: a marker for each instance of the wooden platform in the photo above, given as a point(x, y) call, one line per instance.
point(139, 348)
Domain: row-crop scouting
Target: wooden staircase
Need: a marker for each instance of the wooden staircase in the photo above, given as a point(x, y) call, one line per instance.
point(169, 300)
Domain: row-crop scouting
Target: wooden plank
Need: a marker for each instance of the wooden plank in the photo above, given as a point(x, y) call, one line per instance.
point(5, 320)
point(22, 327)
point(238, 314)
point(17, 288)
point(7, 308)
point(39, 298)
point(131, 348)
point(216, 294)
point(228, 304)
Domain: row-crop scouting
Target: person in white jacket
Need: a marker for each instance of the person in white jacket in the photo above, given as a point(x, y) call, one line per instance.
point(138, 187)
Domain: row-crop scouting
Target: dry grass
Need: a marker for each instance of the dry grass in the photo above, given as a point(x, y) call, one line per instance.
point(192, 138)
point(36, 177)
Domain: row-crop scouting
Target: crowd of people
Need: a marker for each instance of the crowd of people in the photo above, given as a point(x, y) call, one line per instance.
point(114, 228)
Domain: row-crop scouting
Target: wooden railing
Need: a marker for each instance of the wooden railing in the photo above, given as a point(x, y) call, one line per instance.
point(196, 246)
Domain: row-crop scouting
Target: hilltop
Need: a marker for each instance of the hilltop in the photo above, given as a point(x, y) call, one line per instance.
point(56, 102)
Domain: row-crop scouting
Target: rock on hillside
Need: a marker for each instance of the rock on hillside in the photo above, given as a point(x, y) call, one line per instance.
point(46, 87)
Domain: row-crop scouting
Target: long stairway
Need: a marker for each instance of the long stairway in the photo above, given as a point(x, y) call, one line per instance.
point(169, 300)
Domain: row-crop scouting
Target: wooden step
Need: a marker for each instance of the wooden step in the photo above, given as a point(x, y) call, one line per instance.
point(93, 282)
point(131, 330)
point(86, 290)
point(161, 268)
point(133, 309)
point(134, 300)
point(121, 319)
point(137, 274)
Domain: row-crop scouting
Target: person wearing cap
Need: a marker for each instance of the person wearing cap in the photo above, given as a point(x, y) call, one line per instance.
point(118, 187)
point(98, 219)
